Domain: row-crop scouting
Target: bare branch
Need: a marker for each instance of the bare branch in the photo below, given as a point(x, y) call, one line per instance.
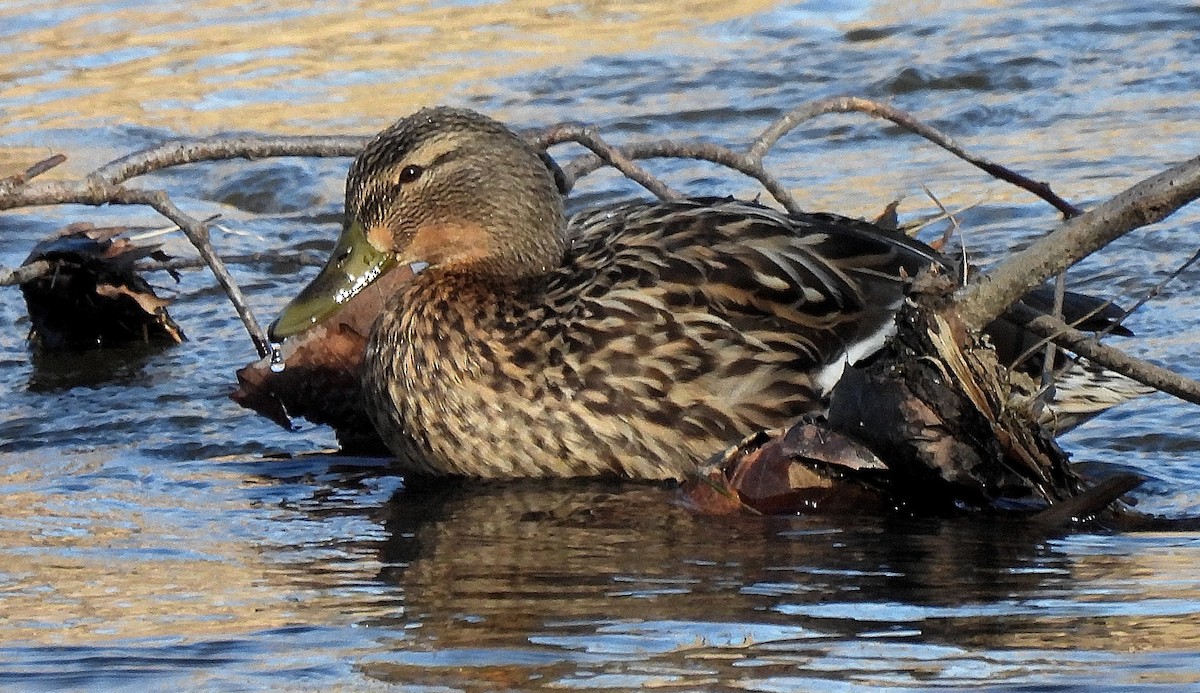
point(588, 137)
point(751, 164)
point(1146, 297)
point(1034, 348)
point(95, 192)
point(668, 149)
point(877, 109)
point(1147, 202)
point(52, 192)
point(103, 187)
point(180, 152)
point(1085, 345)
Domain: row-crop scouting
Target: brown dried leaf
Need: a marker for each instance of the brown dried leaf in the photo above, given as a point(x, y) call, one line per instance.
point(821, 444)
point(710, 494)
point(807, 469)
point(888, 218)
point(147, 302)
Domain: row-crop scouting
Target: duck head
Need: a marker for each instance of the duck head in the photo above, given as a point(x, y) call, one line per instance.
point(443, 188)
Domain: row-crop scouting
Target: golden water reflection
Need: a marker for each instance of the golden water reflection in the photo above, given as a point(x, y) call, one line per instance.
point(224, 65)
point(99, 547)
point(131, 552)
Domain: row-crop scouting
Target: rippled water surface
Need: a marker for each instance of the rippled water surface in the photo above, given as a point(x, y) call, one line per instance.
point(153, 534)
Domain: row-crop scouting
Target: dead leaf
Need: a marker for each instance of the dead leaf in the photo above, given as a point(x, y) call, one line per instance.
point(806, 469)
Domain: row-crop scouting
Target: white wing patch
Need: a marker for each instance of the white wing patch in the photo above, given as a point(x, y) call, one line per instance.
point(831, 373)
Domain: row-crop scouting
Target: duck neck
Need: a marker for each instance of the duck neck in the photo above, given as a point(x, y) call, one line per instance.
point(438, 335)
point(535, 250)
point(522, 218)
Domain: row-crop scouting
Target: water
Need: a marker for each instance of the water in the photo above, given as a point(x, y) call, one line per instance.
point(154, 534)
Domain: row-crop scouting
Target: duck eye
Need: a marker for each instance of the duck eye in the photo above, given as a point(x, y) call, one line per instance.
point(410, 173)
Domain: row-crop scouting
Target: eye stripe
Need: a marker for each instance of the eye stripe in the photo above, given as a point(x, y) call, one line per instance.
point(444, 157)
point(411, 172)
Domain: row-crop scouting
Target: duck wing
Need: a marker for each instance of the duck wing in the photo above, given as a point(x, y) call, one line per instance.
point(748, 304)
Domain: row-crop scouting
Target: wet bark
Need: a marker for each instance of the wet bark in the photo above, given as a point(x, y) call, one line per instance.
point(931, 425)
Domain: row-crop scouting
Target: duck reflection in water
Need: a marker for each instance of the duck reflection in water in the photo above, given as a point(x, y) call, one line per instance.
point(555, 578)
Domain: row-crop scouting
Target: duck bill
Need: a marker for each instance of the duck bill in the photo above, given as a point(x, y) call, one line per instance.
point(354, 264)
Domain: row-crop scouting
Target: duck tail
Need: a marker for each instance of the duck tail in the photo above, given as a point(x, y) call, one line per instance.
point(1085, 390)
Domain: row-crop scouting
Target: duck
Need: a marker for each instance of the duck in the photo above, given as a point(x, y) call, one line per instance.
point(634, 340)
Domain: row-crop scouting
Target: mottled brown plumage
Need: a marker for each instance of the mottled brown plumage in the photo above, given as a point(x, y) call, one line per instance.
point(635, 340)
point(638, 341)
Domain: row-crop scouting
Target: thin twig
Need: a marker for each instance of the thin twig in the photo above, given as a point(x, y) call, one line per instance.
point(304, 259)
point(669, 149)
point(588, 137)
point(964, 266)
point(94, 191)
point(1155, 290)
point(1048, 372)
point(32, 172)
point(1076, 323)
point(197, 233)
point(878, 109)
point(19, 275)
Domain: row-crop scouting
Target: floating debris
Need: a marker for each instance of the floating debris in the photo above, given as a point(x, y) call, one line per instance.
point(91, 296)
point(931, 426)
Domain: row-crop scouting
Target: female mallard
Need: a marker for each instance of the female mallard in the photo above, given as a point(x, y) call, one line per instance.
point(635, 340)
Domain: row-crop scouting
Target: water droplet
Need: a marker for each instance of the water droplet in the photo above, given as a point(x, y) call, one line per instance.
point(277, 364)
